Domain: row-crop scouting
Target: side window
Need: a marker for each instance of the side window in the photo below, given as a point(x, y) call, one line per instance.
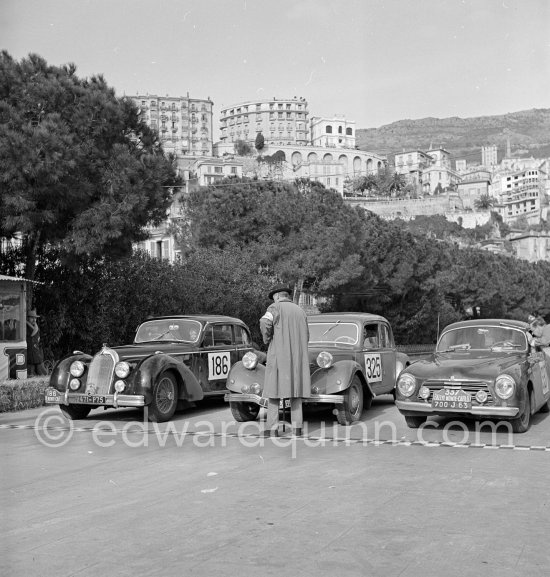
point(208, 340)
point(223, 335)
point(385, 340)
point(241, 336)
point(370, 334)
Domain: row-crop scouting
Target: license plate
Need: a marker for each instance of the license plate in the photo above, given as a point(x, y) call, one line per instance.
point(52, 396)
point(450, 399)
point(264, 402)
point(88, 400)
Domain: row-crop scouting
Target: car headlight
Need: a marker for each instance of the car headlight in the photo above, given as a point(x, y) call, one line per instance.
point(324, 360)
point(255, 388)
point(250, 360)
point(74, 384)
point(77, 369)
point(406, 385)
point(505, 386)
point(120, 386)
point(122, 369)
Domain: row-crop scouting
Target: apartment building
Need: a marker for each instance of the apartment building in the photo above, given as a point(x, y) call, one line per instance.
point(334, 132)
point(519, 195)
point(489, 155)
point(281, 121)
point(411, 164)
point(184, 124)
point(531, 246)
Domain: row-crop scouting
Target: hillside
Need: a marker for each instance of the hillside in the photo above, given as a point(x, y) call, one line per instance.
point(528, 132)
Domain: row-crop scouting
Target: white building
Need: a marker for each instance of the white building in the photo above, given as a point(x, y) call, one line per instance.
point(332, 132)
point(519, 195)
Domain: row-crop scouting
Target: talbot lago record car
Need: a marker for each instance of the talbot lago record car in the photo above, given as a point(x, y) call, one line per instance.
point(482, 368)
point(352, 358)
point(176, 359)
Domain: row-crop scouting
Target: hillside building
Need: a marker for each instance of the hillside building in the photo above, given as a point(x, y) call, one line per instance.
point(332, 132)
point(184, 124)
point(519, 195)
point(489, 155)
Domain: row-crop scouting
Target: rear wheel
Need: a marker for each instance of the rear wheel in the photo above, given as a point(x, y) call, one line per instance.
point(75, 412)
point(352, 408)
point(522, 422)
point(414, 422)
point(165, 399)
point(243, 412)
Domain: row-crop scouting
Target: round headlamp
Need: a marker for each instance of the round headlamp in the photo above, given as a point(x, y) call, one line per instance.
point(324, 360)
point(406, 384)
point(77, 369)
point(120, 386)
point(504, 386)
point(250, 360)
point(122, 369)
point(74, 384)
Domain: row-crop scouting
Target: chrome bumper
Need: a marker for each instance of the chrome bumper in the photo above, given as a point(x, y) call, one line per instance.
point(476, 410)
point(54, 397)
point(262, 401)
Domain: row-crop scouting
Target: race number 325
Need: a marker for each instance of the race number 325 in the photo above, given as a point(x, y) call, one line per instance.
point(373, 368)
point(218, 365)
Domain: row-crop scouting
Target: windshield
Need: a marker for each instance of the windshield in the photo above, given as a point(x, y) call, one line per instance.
point(335, 332)
point(183, 330)
point(491, 338)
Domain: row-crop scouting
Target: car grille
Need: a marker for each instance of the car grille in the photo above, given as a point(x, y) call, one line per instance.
point(100, 373)
point(471, 387)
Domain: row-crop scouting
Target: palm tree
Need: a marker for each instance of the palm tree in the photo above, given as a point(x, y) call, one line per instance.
point(484, 202)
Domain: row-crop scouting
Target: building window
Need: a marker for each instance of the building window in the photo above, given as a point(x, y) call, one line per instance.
point(328, 129)
point(349, 132)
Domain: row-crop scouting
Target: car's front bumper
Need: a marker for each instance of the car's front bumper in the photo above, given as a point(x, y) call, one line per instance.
point(262, 401)
point(55, 397)
point(414, 407)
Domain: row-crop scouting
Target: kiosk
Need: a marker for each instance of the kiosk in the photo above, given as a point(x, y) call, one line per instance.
point(13, 335)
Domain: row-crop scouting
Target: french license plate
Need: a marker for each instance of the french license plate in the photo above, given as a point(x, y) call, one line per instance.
point(88, 400)
point(451, 399)
point(264, 402)
point(52, 396)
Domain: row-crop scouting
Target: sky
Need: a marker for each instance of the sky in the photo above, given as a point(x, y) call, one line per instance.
point(373, 62)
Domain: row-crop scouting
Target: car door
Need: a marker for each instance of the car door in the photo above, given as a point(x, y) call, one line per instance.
point(218, 353)
point(379, 357)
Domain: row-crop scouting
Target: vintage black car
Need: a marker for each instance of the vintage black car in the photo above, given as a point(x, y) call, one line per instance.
point(352, 359)
point(481, 368)
point(173, 361)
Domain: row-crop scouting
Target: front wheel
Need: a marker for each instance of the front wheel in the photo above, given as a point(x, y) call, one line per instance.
point(165, 399)
point(243, 412)
point(75, 412)
point(522, 422)
point(352, 408)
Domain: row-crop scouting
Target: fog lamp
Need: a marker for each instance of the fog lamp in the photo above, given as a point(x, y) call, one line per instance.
point(255, 388)
point(481, 396)
point(120, 386)
point(74, 384)
point(315, 390)
point(424, 393)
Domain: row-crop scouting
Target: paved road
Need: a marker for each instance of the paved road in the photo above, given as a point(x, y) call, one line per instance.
point(199, 496)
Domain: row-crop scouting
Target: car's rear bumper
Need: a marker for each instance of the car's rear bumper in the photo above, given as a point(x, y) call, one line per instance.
point(416, 408)
point(55, 397)
point(262, 401)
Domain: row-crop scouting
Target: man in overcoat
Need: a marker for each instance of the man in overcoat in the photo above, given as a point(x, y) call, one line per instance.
point(284, 329)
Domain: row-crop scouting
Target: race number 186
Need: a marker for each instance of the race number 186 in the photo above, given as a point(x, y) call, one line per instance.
point(218, 365)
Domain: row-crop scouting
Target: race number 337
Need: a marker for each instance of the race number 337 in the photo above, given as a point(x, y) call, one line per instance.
point(373, 368)
point(218, 365)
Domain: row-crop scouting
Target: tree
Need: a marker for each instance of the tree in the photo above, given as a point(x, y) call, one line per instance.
point(78, 168)
point(484, 202)
point(259, 142)
point(242, 148)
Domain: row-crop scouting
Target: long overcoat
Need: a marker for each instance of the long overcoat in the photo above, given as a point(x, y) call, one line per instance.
point(284, 328)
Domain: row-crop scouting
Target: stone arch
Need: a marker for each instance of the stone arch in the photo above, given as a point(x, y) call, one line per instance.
point(280, 155)
point(296, 158)
point(357, 165)
point(327, 157)
point(369, 166)
point(343, 160)
point(312, 157)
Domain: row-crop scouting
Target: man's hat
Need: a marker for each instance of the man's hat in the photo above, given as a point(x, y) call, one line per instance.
point(280, 288)
point(32, 313)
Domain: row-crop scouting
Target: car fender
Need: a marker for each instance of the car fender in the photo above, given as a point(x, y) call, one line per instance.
point(240, 376)
point(151, 367)
point(60, 377)
point(338, 377)
point(401, 362)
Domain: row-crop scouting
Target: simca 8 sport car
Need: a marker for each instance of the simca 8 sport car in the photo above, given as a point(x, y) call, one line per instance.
point(352, 358)
point(173, 360)
point(482, 368)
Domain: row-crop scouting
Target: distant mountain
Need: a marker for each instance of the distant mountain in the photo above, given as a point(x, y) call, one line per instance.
point(528, 132)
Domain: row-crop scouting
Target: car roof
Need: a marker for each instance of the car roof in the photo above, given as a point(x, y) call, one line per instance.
point(347, 316)
point(483, 322)
point(201, 318)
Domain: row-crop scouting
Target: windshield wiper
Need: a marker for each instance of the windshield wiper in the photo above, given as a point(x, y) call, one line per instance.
point(461, 347)
point(330, 328)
